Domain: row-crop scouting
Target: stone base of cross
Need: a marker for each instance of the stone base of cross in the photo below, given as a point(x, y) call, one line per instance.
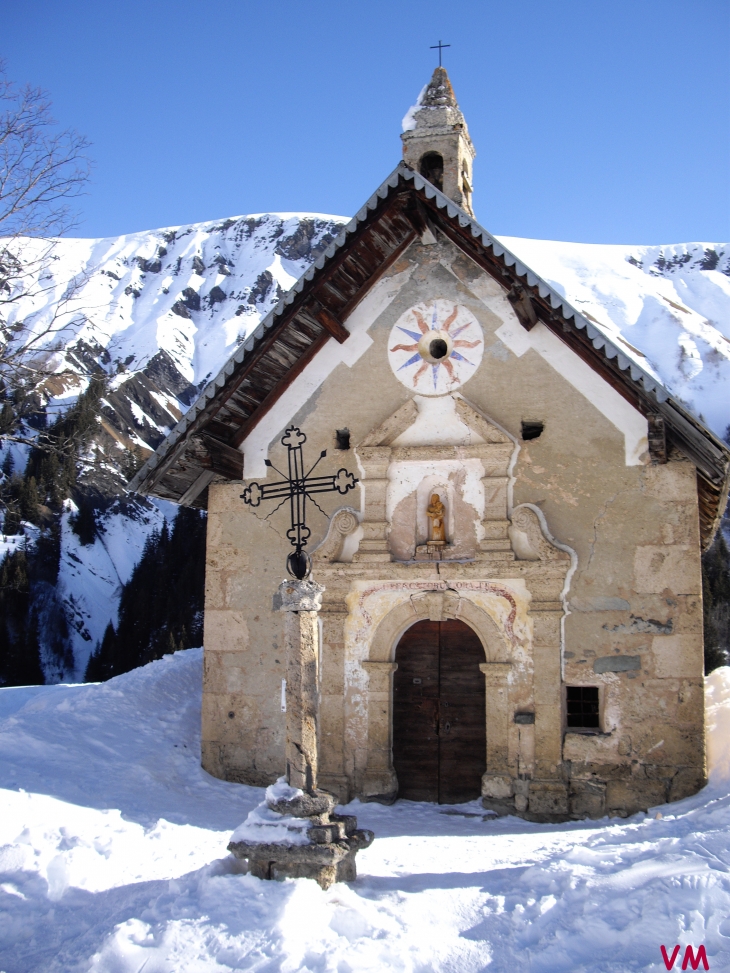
point(295, 833)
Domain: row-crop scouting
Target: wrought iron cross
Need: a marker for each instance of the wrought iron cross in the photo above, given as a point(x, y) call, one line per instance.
point(297, 488)
point(440, 47)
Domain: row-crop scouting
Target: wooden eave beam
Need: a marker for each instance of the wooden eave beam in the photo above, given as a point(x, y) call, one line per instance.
point(329, 322)
point(278, 389)
point(221, 458)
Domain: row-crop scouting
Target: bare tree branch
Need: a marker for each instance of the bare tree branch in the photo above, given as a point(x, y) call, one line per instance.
point(42, 170)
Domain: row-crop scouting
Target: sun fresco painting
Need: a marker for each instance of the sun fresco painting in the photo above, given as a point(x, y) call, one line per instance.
point(444, 350)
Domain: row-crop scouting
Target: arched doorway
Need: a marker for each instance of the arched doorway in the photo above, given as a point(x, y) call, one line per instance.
point(439, 727)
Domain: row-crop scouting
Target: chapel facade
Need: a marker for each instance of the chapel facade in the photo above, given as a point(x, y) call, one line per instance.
point(513, 598)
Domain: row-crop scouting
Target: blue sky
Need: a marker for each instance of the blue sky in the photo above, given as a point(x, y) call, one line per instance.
point(593, 122)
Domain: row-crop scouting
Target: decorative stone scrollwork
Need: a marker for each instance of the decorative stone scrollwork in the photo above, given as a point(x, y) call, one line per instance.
point(528, 537)
point(343, 523)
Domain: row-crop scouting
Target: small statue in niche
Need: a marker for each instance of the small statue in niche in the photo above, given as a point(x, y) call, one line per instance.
point(437, 514)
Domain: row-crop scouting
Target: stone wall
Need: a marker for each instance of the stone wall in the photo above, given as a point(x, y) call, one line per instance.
point(629, 622)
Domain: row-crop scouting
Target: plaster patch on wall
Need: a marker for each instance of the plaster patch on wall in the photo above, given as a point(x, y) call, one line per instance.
point(437, 424)
point(482, 286)
point(611, 701)
point(350, 545)
point(256, 446)
point(513, 458)
point(506, 602)
point(514, 336)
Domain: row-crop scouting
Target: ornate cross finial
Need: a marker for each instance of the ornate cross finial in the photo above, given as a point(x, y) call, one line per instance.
point(297, 487)
point(440, 47)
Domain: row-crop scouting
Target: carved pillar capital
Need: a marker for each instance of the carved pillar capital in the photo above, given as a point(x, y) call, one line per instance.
point(379, 667)
point(301, 596)
point(495, 673)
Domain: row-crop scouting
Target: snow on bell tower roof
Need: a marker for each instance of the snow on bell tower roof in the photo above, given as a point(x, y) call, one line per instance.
point(439, 91)
point(436, 140)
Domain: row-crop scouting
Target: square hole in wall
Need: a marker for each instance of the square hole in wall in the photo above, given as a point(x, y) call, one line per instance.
point(532, 429)
point(582, 707)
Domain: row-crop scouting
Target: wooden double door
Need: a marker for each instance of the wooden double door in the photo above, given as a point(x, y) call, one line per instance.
point(439, 713)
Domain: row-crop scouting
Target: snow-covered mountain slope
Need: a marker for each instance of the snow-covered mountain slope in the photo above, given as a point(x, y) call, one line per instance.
point(160, 312)
point(667, 306)
point(113, 860)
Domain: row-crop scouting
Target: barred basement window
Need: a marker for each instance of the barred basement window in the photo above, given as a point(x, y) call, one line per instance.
point(582, 707)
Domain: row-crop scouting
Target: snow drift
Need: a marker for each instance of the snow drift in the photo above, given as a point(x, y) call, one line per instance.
point(113, 860)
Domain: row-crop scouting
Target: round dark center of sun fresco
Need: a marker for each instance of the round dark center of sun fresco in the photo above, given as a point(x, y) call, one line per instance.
point(438, 348)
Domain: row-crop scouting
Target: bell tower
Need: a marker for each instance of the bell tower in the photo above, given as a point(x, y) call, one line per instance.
point(436, 141)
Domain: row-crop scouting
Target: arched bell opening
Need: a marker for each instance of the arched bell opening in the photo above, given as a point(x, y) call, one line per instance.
point(439, 702)
point(431, 167)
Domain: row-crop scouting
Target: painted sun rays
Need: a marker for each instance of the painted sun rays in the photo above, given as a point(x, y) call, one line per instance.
point(435, 364)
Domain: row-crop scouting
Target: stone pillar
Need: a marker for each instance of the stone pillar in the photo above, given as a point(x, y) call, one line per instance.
point(380, 782)
point(374, 544)
point(497, 789)
point(495, 543)
point(548, 791)
point(332, 776)
point(301, 602)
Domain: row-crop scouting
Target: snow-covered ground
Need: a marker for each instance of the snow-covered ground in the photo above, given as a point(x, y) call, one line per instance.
point(113, 860)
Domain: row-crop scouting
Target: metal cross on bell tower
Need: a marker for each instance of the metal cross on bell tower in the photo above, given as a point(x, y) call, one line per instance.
point(297, 488)
point(440, 47)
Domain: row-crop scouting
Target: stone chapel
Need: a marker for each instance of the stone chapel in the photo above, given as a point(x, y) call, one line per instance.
point(513, 603)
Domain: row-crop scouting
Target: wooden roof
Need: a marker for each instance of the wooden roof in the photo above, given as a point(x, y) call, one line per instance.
point(205, 443)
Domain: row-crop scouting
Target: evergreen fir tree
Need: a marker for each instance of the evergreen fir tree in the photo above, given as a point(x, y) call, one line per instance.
point(29, 499)
point(83, 523)
point(20, 657)
point(7, 418)
point(161, 608)
point(716, 604)
point(104, 661)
